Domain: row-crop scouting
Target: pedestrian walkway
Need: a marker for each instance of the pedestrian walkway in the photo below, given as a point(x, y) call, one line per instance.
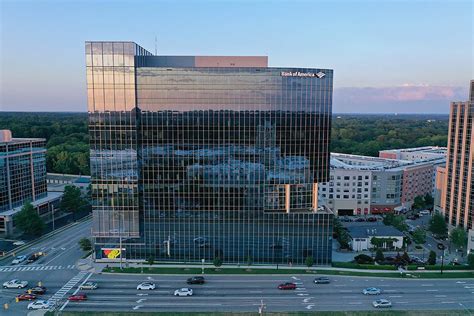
point(56, 298)
point(36, 268)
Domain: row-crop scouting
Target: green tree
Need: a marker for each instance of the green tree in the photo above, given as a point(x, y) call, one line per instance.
point(429, 201)
point(217, 262)
point(309, 261)
point(419, 236)
point(363, 259)
point(405, 258)
point(72, 200)
point(458, 237)
point(470, 260)
point(85, 244)
point(150, 260)
point(399, 223)
point(432, 258)
point(388, 219)
point(418, 203)
point(438, 225)
point(379, 257)
point(29, 221)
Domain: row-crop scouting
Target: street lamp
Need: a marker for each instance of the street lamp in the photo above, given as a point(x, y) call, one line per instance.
point(442, 247)
point(202, 266)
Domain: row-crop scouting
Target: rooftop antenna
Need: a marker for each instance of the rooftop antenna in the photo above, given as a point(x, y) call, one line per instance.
point(156, 46)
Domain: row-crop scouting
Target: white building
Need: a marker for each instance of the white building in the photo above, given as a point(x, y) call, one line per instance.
point(361, 237)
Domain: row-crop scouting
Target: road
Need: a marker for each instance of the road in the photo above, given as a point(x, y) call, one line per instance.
point(245, 293)
point(55, 270)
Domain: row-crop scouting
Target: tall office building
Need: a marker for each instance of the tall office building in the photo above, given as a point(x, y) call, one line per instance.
point(459, 194)
point(198, 157)
point(22, 178)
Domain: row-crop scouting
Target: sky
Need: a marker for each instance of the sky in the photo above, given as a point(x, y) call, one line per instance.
point(411, 56)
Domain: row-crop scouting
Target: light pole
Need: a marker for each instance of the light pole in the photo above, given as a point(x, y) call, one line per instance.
point(442, 258)
point(52, 210)
point(202, 265)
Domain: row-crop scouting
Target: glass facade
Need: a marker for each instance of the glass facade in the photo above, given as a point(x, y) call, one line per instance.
point(22, 172)
point(192, 163)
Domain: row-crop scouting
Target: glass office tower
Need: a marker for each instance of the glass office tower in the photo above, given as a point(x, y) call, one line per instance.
point(197, 157)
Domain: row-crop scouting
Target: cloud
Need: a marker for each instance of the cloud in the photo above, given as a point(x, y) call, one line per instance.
point(407, 98)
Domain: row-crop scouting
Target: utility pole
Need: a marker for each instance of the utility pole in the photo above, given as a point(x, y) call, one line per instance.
point(52, 210)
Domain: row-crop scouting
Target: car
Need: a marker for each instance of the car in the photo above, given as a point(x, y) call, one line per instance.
point(372, 219)
point(89, 286)
point(146, 286)
point(19, 243)
point(322, 280)
point(425, 212)
point(78, 297)
point(196, 280)
point(371, 291)
point(26, 297)
point(39, 304)
point(37, 290)
point(360, 219)
point(287, 286)
point(33, 258)
point(381, 303)
point(15, 284)
point(183, 292)
point(441, 246)
point(19, 259)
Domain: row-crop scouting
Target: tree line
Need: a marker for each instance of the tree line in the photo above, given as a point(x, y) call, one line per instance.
point(68, 140)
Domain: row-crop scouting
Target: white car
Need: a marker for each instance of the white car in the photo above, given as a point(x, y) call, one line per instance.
point(146, 286)
point(39, 304)
point(19, 259)
point(424, 212)
point(183, 292)
point(371, 291)
point(15, 284)
point(382, 303)
point(89, 286)
point(19, 243)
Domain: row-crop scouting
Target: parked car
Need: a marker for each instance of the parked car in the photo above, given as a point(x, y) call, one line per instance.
point(287, 286)
point(78, 297)
point(15, 284)
point(19, 259)
point(360, 219)
point(183, 292)
point(26, 297)
point(441, 246)
point(89, 286)
point(196, 280)
point(322, 280)
point(40, 304)
point(372, 219)
point(146, 286)
point(382, 303)
point(19, 243)
point(37, 290)
point(425, 212)
point(371, 291)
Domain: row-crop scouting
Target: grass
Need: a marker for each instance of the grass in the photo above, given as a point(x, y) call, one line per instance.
point(350, 313)
point(212, 270)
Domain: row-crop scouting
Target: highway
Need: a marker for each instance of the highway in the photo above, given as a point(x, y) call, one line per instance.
point(245, 293)
point(55, 270)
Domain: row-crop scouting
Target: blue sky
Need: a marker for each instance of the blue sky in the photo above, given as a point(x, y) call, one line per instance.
point(388, 56)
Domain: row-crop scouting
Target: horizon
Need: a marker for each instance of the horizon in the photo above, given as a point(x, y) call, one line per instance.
point(382, 65)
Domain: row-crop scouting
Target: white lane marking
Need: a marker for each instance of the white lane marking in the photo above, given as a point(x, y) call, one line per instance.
point(306, 300)
point(388, 291)
point(431, 290)
point(142, 294)
point(402, 302)
point(302, 294)
point(255, 292)
point(68, 286)
point(469, 287)
point(137, 307)
point(309, 306)
point(141, 300)
point(295, 278)
point(460, 282)
point(394, 296)
point(447, 302)
point(345, 291)
point(355, 303)
point(440, 295)
point(427, 284)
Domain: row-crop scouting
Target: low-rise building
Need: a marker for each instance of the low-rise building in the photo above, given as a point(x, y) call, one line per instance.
point(365, 237)
point(470, 241)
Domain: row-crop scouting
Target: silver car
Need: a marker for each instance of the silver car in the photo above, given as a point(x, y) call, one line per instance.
point(89, 286)
point(19, 259)
point(146, 286)
point(371, 291)
point(183, 292)
point(381, 303)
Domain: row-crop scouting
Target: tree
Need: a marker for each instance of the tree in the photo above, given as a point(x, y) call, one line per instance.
point(418, 203)
point(419, 236)
point(458, 237)
point(388, 219)
point(405, 259)
point(432, 258)
point(470, 260)
point(72, 200)
point(29, 221)
point(429, 201)
point(438, 225)
point(151, 260)
point(85, 244)
point(309, 261)
point(217, 262)
point(379, 257)
point(363, 259)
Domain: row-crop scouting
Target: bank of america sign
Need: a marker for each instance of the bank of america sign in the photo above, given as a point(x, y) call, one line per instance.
point(302, 74)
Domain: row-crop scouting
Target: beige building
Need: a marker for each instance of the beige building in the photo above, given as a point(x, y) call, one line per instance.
point(459, 194)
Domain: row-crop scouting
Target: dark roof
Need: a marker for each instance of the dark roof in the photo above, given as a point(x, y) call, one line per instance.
point(374, 230)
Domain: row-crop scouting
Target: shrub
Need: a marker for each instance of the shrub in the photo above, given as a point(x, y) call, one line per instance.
point(361, 259)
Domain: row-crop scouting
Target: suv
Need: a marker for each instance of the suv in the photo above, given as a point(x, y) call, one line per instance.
point(322, 280)
point(19, 259)
point(196, 280)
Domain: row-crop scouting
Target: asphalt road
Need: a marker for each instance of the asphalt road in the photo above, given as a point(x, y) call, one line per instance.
point(245, 293)
point(55, 270)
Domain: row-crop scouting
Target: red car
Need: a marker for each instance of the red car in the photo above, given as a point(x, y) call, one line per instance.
point(287, 286)
point(78, 297)
point(26, 297)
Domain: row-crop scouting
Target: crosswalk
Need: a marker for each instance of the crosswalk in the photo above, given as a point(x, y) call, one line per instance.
point(56, 298)
point(36, 268)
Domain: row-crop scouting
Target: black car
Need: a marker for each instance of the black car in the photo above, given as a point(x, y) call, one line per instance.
point(441, 246)
point(196, 280)
point(322, 280)
point(33, 258)
point(38, 290)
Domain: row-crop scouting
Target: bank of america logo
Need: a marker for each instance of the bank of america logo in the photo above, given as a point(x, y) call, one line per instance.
point(320, 74)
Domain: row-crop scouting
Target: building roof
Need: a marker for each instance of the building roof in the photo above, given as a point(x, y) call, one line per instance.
point(367, 231)
point(48, 198)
